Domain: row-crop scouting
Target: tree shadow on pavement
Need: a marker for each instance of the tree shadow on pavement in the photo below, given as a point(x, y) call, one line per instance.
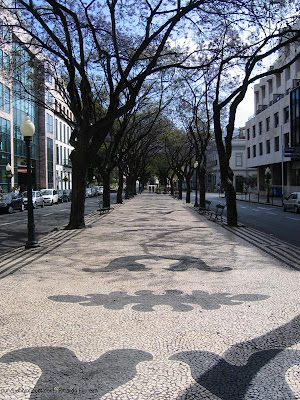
point(254, 369)
point(67, 378)
point(145, 300)
point(183, 263)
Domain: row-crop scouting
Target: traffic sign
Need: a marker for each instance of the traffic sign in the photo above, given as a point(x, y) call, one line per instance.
point(293, 152)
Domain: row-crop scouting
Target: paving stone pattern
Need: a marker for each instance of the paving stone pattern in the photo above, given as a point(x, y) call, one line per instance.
point(152, 302)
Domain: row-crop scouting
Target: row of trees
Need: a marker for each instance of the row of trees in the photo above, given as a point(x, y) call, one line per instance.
point(112, 56)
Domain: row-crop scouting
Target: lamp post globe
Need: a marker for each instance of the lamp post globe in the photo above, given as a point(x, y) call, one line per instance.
point(27, 130)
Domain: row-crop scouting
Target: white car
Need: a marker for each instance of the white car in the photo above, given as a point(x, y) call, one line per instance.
point(37, 199)
point(50, 196)
point(292, 203)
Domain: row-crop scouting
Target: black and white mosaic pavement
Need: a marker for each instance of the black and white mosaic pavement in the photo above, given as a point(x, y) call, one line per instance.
point(152, 302)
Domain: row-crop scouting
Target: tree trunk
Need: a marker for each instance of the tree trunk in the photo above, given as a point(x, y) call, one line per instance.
point(127, 188)
point(188, 191)
point(172, 186)
point(79, 174)
point(230, 200)
point(180, 187)
point(225, 170)
point(120, 188)
point(202, 172)
point(106, 188)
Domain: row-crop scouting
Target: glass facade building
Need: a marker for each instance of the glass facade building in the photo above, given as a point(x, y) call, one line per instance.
point(23, 105)
point(295, 117)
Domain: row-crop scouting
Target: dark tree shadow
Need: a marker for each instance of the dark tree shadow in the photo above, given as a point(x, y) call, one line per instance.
point(183, 263)
point(252, 372)
point(145, 300)
point(65, 377)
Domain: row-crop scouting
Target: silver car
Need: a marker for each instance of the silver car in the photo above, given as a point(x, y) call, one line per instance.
point(292, 203)
point(37, 199)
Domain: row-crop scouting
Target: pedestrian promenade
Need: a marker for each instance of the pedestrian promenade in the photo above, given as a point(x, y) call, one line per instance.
point(152, 301)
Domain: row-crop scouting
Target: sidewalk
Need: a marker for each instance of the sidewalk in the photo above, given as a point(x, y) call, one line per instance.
point(153, 301)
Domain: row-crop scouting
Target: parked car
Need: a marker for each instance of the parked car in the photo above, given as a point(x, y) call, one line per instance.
point(292, 202)
point(37, 199)
point(50, 196)
point(10, 202)
point(64, 195)
point(88, 192)
point(100, 189)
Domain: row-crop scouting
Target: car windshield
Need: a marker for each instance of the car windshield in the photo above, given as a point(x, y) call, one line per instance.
point(5, 196)
point(46, 192)
point(24, 194)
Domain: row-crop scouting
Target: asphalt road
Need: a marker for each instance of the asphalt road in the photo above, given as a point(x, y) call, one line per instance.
point(265, 218)
point(13, 227)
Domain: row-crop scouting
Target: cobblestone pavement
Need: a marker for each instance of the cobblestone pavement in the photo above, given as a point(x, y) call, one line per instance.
point(152, 302)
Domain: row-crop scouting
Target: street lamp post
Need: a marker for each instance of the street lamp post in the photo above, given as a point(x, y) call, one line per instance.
point(196, 197)
point(27, 130)
point(8, 175)
point(268, 179)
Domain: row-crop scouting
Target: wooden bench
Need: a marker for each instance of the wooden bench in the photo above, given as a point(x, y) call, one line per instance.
point(206, 209)
point(219, 212)
point(104, 210)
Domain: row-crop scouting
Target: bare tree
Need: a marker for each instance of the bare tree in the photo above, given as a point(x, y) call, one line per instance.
point(103, 63)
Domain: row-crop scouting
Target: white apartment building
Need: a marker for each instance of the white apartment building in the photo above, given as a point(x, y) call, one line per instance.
point(238, 164)
point(276, 127)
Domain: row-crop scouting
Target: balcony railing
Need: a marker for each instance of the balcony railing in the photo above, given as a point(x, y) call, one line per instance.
point(67, 163)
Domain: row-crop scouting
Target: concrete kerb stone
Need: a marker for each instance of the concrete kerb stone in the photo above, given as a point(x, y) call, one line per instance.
point(152, 302)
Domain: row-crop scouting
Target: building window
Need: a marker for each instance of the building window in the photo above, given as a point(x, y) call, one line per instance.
point(254, 131)
point(286, 114)
point(286, 139)
point(248, 134)
point(270, 83)
point(260, 127)
point(276, 143)
point(263, 91)
point(60, 131)
point(248, 152)
point(6, 62)
point(50, 162)
point(64, 133)
point(288, 73)
point(239, 159)
point(278, 80)
point(49, 123)
point(260, 149)
point(48, 77)
point(48, 98)
point(56, 128)
point(57, 154)
point(254, 151)
point(267, 124)
point(4, 98)
point(268, 147)
point(276, 119)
